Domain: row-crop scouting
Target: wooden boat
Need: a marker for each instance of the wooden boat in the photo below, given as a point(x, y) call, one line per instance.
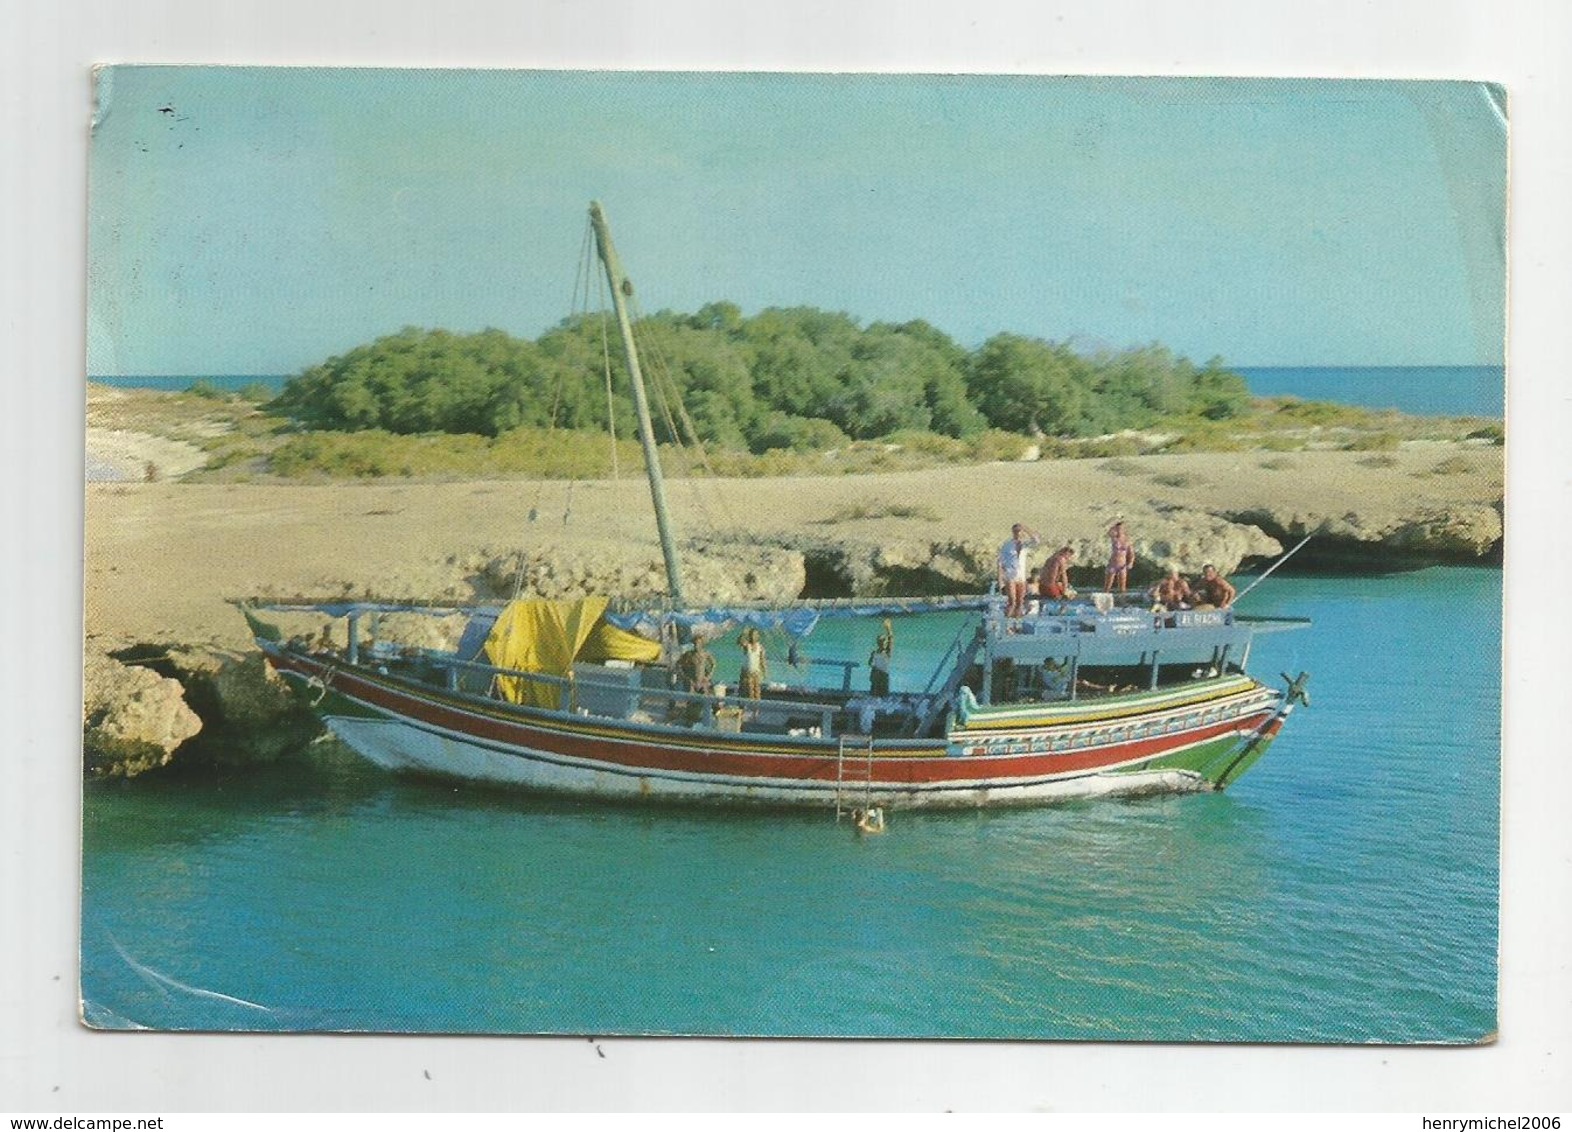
point(1093, 696)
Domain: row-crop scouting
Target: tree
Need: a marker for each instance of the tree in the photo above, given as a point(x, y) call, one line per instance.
point(787, 377)
point(1031, 386)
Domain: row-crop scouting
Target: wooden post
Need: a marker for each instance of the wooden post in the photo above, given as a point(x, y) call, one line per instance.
point(621, 288)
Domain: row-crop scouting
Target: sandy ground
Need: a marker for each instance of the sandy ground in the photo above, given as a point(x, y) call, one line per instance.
point(118, 454)
point(162, 558)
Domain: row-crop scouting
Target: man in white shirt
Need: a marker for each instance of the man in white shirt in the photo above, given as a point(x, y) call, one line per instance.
point(1014, 569)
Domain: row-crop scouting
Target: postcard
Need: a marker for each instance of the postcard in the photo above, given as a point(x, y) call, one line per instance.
point(794, 555)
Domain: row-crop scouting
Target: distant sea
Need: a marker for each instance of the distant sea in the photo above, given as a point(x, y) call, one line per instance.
point(1445, 391)
point(1429, 391)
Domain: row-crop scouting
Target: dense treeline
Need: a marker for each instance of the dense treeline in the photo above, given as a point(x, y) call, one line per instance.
point(786, 378)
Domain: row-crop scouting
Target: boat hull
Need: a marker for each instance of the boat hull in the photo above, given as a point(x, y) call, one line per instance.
point(1155, 744)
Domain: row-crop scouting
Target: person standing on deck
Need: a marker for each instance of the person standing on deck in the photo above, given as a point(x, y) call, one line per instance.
point(1013, 569)
point(754, 665)
point(1214, 590)
point(1121, 556)
point(696, 669)
point(879, 661)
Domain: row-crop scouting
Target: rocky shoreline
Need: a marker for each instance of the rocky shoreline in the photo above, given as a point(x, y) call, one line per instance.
point(170, 673)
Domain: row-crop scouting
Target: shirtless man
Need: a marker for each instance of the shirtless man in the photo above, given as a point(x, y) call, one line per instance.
point(1213, 589)
point(1173, 592)
point(1013, 569)
point(696, 669)
point(1054, 581)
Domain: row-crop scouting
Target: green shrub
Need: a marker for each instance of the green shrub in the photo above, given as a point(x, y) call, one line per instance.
point(878, 509)
point(1112, 446)
point(1322, 413)
point(799, 434)
point(945, 448)
point(996, 444)
point(1373, 442)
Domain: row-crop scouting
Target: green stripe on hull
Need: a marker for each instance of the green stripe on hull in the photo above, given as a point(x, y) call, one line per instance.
point(1214, 759)
point(1233, 769)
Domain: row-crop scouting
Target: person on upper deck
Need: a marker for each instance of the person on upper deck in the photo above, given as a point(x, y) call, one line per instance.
point(1054, 580)
point(1121, 556)
point(1213, 591)
point(1173, 592)
point(754, 665)
point(1013, 568)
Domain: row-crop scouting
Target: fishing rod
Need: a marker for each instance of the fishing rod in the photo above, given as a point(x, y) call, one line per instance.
point(1270, 568)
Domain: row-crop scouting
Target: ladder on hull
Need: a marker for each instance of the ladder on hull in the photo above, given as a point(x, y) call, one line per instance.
point(853, 774)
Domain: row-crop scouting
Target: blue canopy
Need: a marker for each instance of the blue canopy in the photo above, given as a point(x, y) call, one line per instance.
point(796, 621)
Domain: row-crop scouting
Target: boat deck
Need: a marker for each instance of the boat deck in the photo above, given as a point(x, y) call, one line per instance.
point(1073, 653)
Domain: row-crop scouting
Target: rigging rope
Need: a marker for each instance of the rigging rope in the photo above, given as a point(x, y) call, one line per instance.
point(580, 286)
point(679, 423)
point(665, 379)
point(662, 380)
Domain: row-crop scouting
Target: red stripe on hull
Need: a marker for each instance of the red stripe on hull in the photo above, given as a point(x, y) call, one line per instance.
point(632, 750)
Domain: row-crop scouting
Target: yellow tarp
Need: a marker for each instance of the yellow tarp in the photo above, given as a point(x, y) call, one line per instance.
point(548, 636)
point(607, 642)
point(541, 636)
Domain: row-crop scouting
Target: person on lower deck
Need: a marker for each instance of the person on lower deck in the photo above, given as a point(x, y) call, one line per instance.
point(1213, 590)
point(1054, 579)
point(1013, 569)
point(1173, 592)
point(1121, 557)
point(696, 668)
point(879, 661)
point(754, 666)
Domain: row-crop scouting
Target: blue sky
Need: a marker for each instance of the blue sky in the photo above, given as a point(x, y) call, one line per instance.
point(260, 220)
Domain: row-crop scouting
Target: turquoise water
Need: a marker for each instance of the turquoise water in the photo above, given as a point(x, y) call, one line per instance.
point(1344, 891)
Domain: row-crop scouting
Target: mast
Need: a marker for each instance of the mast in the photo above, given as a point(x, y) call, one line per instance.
point(621, 289)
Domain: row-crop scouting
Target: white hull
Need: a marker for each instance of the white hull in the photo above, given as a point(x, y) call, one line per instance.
point(402, 748)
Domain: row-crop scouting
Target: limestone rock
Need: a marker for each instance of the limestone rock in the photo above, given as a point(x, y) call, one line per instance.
point(1189, 540)
point(133, 719)
point(1420, 534)
point(713, 572)
point(1460, 532)
point(249, 711)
